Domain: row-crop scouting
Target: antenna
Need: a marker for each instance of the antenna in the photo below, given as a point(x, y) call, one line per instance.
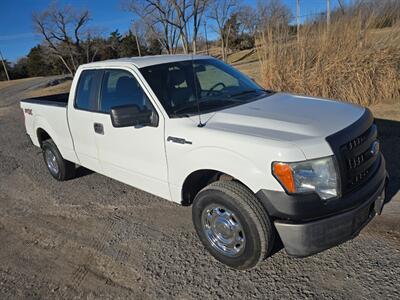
point(196, 95)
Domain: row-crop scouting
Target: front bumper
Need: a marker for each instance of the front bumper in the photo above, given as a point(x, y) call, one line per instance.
point(308, 225)
point(313, 237)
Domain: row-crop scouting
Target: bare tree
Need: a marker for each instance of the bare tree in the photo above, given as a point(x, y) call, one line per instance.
point(172, 20)
point(62, 30)
point(158, 16)
point(220, 12)
point(183, 15)
point(247, 18)
point(198, 9)
point(273, 14)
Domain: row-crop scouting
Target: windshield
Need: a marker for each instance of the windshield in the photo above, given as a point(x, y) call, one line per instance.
point(204, 85)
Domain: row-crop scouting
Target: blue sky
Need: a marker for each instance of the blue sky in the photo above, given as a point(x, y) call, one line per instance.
point(17, 36)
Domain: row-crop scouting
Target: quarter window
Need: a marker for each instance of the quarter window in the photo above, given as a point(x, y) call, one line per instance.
point(87, 90)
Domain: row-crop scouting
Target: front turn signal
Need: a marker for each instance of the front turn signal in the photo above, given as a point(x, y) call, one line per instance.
point(283, 172)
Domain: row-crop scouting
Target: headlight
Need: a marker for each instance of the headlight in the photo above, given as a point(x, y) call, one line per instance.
point(317, 175)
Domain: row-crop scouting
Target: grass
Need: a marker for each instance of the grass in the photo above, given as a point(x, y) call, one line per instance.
point(5, 84)
point(63, 87)
point(348, 62)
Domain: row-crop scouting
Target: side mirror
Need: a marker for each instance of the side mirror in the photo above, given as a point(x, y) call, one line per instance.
point(131, 115)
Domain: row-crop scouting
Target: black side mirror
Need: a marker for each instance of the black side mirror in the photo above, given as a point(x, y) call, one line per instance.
point(131, 115)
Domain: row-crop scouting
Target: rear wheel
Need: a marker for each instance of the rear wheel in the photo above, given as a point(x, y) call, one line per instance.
point(58, 167)
point(232, 224)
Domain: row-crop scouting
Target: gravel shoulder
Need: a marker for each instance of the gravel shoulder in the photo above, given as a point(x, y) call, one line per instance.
point(94, 237)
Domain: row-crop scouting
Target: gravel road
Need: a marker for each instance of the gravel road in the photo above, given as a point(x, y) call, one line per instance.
point(93, 237)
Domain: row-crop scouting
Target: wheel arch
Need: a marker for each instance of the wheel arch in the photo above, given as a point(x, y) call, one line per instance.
point(199, 179)
point(42, 135)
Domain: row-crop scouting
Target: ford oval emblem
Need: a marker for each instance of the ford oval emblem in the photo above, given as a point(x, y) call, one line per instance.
point(375, 148)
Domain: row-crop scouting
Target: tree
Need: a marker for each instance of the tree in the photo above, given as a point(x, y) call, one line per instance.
point(188, 12)
point(153, 46)
point(62, 30)
point(199, 8)
point(37, 65)
point(220, 12)
point(157, 16)
point(129, 47)
point(41, 63)
point(171, 20)
point(273, 14)
point(248, 20)
point(20, 69)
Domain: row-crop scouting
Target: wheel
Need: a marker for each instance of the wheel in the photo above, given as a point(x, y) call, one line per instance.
point(58, 167)
point(232, 224)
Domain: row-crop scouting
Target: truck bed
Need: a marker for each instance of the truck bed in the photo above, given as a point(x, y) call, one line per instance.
point(49, 114)
point(55, 100)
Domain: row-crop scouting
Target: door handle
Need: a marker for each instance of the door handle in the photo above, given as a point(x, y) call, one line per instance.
point(98, 128)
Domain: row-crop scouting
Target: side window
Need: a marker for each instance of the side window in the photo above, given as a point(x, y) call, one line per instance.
point(87, 90)
point(120, 88)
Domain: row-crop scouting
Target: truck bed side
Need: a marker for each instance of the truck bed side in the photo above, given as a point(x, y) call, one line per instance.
point(54, 100)
point(48, 115)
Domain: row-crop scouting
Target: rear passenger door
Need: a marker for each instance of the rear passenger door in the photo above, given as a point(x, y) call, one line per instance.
point(134, 155)
point(80, 118)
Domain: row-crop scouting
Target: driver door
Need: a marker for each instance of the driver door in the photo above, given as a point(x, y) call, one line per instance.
point(134, 155)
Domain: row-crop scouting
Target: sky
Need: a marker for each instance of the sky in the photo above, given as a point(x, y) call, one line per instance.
point(17, 35)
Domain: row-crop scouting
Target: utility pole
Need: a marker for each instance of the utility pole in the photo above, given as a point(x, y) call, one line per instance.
point(4, 66)
point(298, 19)
point(328, 13)
point(205, 33)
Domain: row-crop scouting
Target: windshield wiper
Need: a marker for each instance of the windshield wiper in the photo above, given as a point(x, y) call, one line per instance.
point(245, 92)
point(204, 102)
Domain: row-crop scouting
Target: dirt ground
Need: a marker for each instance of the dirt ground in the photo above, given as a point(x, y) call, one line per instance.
point(93, 237)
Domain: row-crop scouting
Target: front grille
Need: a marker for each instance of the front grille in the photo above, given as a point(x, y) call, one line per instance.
point(360, 162)
point(352, 148)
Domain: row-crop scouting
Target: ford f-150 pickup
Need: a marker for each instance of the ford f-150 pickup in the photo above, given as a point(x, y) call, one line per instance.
point(256, 165)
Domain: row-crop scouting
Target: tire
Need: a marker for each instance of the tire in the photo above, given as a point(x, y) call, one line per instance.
point(223, 205)
point(59, 168)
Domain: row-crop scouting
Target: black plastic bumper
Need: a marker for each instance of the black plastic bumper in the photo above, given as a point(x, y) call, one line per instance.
point(308, 225)
point(313, 237)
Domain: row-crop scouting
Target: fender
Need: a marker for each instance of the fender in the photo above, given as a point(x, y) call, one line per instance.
point(223, 160)
point(63, 143)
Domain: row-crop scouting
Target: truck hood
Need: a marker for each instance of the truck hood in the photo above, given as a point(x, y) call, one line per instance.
point(303, 121)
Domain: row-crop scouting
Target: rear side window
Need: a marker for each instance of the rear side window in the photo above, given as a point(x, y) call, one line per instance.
point(121, 88)
point(87, 90)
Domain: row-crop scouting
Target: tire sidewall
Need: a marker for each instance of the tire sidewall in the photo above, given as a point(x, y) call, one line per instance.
point(252, 251)
point(50, 146)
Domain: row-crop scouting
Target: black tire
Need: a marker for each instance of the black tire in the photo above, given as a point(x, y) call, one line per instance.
point(65, 169)
point(256, 225)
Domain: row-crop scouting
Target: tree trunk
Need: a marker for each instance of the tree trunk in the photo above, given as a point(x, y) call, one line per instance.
point(66, 65)
point(194, 47)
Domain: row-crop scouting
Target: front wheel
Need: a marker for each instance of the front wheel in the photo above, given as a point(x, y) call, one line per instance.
point(232, 224)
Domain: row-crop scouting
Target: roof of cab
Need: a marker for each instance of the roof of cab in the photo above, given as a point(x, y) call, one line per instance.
point(145, 61)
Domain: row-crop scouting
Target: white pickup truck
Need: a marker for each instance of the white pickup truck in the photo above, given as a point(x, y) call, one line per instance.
point(255, 165)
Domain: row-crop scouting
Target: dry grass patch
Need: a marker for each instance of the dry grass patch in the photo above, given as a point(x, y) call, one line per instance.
point(347, 62)
point(5, 84)
point(63, 87)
